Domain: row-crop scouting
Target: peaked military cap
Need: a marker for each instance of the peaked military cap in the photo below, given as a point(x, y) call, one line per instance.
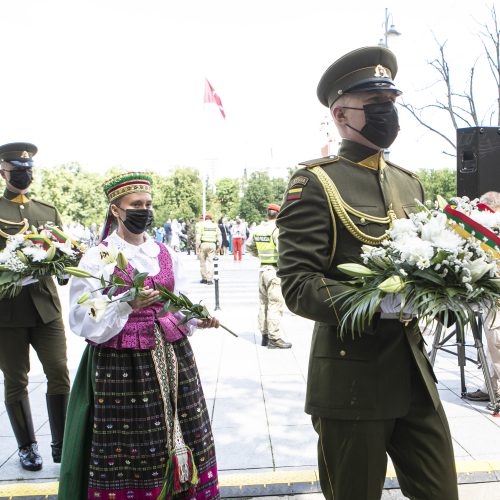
point(364, 69)
point(19, 154)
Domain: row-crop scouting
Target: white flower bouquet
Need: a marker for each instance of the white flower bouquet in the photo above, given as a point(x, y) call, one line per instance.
point(441, 261)
point(41, 252)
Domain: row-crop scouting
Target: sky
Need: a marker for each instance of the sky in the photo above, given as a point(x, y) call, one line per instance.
point(120, 83)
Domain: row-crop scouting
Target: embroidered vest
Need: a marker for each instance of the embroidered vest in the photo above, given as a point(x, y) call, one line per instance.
point(138, 332)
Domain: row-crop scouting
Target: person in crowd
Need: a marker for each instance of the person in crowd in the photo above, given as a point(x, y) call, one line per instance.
point(32, 318)
point(175, 241)
point(371, 392)
point(491, 327)
point(263, 243)
point(238, 236)
point(137, 407)
point(229, 225)
point(246, 235)
point(168, 232)
point(208, 240)
point(159, 234)
point(94, 235)
point(190, 236)
point(223, 231)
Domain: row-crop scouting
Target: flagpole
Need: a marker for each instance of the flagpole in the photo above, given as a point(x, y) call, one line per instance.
point(204, 190)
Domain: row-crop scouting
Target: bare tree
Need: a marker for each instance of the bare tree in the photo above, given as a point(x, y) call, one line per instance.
point(461, 106)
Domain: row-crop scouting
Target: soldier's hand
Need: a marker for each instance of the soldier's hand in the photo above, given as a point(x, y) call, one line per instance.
point(149, 297)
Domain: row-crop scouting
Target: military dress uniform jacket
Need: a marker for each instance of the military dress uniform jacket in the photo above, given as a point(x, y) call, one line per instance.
point(38, 300)
point(369, 374)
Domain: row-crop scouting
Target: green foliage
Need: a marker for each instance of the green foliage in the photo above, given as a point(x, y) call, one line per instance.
point(442, 182)
point(259, 191)
point(76, 193)
point(79, 197)
point(227, 193)
point(178, 195)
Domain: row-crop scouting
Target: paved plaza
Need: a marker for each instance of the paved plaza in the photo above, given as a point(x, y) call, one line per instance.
point(265, 442)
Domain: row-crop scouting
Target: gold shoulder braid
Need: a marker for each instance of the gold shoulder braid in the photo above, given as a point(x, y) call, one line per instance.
point(24, 223)
point(341, 208)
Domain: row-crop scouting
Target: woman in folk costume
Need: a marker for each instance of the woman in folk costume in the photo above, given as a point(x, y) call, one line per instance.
point(137, 423)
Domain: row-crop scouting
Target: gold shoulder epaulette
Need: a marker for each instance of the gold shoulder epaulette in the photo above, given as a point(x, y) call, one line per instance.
point(319, 161)
point(43, 203)
point(409, 172)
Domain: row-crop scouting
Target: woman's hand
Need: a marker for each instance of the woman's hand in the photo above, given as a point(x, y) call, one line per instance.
point(149, 297)
point(208, 323)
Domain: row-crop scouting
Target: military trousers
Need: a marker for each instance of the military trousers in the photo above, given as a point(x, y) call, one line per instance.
point(271, 302)
point(49, 342)
point(352, 454)
point(207, 254)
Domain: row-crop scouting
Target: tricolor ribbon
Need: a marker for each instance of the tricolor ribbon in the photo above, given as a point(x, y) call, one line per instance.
point(38, 239)
point(469, 228)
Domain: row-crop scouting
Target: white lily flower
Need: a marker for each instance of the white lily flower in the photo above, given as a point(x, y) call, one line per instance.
point(108, 255)
point(97, 308)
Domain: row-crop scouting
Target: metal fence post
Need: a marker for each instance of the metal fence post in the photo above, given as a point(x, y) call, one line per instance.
point(216, 279)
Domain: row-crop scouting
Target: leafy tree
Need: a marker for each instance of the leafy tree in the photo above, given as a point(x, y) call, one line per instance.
point(259, 192)
point(178, 195)
point(227, 193)
point(76, 193)
point(442, 182)
point(278, 186)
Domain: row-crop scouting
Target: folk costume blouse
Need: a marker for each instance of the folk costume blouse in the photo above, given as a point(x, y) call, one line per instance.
point(119, 316)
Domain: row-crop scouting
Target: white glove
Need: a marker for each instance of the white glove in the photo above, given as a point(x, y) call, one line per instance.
point(390, 308)
point(28, 281)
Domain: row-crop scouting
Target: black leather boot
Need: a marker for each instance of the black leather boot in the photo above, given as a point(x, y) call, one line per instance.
point(56, 408)
point(22, 424)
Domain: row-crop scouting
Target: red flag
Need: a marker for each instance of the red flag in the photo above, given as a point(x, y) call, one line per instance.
point(212, 97)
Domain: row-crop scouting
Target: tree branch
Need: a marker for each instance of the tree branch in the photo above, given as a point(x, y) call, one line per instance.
point(412, 110)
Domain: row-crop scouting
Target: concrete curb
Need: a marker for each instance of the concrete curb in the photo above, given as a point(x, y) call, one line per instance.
point(272, 483)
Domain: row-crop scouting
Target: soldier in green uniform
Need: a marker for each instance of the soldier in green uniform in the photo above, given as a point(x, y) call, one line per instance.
point(372, 393)
point(263, 243)
point(31, 318)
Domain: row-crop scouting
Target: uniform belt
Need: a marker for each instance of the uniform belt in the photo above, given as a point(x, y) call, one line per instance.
point(269, 264)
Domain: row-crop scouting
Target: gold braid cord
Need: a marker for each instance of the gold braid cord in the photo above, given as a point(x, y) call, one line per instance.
point(342, 209)
point(24, 223)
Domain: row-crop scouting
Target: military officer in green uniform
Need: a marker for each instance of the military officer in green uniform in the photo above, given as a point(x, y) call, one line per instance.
point(263, 243)
point(372, 393)
point(31, 318)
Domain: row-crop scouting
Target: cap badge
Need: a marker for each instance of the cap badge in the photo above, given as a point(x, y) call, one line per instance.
point(25, 154)
point(381, 72)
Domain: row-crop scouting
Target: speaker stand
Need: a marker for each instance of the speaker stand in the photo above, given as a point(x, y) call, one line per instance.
point(440, 342)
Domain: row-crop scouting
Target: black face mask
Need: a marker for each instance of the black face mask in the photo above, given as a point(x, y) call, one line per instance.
point(21, 178)
point(138, 220)
point(382, 124)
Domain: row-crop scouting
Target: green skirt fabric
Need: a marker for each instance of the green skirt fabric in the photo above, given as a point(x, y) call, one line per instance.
point(78, 434)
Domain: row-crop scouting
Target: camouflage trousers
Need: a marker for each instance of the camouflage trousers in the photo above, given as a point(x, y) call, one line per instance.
point(271, 302)
point(207, 254)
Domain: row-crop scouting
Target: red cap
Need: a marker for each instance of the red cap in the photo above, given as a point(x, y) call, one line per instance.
point(273, 206)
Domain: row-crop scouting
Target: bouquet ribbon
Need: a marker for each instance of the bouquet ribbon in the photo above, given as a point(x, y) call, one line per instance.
point(468, 228)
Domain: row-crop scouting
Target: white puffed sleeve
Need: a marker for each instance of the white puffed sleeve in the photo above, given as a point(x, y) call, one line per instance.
point(81, 323)
point(181, 285)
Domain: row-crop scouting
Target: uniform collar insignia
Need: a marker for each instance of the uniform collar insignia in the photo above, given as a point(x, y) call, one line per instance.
point(374, 162)
point(16, 197)
point(21, 199)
